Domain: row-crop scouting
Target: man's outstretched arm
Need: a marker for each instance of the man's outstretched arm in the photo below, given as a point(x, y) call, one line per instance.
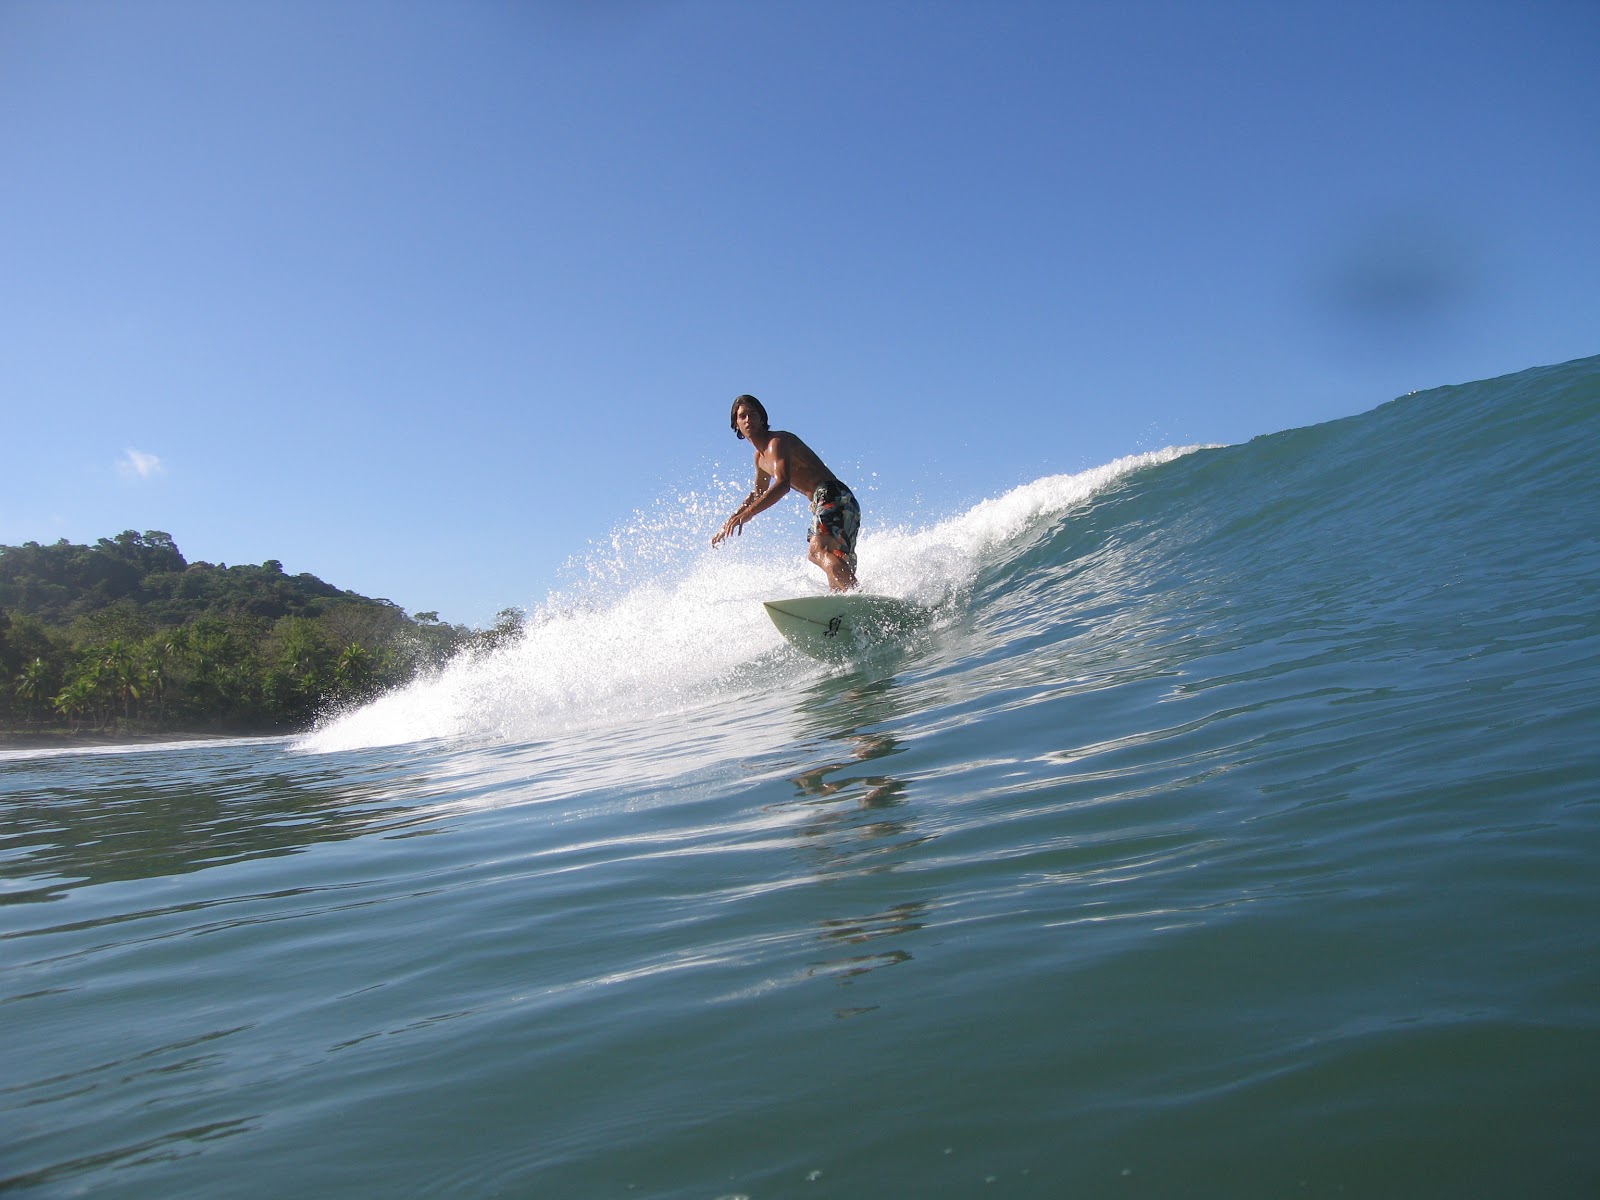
point(768, 491)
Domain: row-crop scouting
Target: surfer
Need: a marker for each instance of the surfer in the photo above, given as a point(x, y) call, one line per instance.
point(783, 464)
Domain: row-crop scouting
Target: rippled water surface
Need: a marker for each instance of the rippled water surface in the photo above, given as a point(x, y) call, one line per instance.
point(1231, 831)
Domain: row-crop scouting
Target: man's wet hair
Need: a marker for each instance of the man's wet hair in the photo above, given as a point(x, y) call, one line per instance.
point(733, 413)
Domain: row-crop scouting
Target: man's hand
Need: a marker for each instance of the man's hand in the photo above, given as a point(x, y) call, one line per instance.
point(731, 525)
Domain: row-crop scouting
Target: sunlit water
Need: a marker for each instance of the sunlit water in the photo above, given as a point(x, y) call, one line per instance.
point(1232, 831)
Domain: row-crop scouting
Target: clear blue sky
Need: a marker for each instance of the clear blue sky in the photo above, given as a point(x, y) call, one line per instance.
point(427, 298)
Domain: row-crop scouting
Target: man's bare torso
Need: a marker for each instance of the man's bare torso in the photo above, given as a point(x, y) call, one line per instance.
point(805, 473)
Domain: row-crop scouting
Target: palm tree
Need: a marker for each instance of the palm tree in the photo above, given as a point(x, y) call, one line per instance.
point(33, 687)
point(122, 672)
point(354, 671)
point(77, 698)
point(158, 655)
point(90, 687)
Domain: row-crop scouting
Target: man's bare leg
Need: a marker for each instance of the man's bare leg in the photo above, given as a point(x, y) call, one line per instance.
point(824, 548)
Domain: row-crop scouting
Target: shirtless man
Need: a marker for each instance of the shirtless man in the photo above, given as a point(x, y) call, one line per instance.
point(784, 463)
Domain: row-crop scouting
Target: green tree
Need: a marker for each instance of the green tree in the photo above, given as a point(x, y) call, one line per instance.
point(509, 625)
point(300, 670)
point(121, 675)
point(81, 697)
point(356, 673)
point(161, 659)
point(224, 673)
point(33, 687)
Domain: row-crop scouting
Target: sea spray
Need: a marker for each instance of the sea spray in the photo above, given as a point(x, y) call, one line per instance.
point(658, 621)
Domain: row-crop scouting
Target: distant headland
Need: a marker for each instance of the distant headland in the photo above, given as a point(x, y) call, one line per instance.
point(127, 640)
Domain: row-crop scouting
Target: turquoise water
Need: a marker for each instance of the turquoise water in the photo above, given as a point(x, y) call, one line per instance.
point(1232, 832)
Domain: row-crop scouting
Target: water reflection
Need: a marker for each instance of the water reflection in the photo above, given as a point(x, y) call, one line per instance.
point(854, 933)
point(854, 816)
point(70, 822)
point(859, 822)
point(176, 1143)
point(838, 706)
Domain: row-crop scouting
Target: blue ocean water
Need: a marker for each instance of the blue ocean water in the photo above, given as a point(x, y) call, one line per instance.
point(1232, 831)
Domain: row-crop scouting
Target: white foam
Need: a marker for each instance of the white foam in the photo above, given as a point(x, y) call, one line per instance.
point(632, 639)
point(178, 742)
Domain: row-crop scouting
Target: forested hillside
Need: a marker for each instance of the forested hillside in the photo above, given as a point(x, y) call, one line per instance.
point(128, 635)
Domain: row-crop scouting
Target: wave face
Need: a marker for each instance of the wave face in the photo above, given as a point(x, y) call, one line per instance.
point(1390, 527)
point(1230, 831)
point(645, 644)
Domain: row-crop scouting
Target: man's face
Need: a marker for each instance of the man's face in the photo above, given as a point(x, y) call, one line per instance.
point(749, 421)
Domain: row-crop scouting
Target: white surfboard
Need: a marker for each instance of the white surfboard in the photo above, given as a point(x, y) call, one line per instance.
point(841, 624)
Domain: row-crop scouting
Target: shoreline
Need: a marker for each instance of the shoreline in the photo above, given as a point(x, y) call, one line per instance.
point(61, 739)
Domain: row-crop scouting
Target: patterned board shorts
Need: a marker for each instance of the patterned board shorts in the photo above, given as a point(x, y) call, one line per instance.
point(834, 508)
